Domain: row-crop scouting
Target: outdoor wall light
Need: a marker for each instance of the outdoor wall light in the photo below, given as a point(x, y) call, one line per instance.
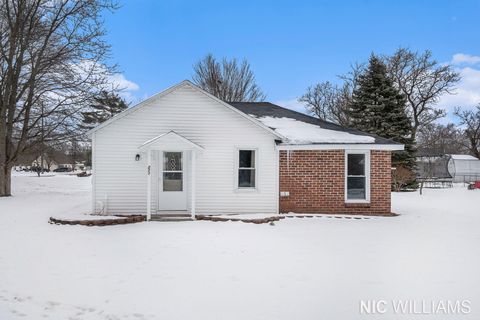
point(137, 157)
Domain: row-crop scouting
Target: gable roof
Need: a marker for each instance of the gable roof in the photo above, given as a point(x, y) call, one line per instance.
point(271, 115)
point(170, 136)
point(288, 126)
point(172, 89)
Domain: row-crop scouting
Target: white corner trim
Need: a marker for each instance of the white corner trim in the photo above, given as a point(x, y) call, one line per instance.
point(277, 179)
point(341, 146)
point(367, 176)
point(92, 169)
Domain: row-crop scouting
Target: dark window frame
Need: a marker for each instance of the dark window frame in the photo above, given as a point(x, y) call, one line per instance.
point(253, 167)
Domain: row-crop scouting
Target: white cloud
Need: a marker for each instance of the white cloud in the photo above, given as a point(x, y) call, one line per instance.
point(116, 81)
point(119, 80)
point(467, 92)
point(125, 86)
point(461, 58)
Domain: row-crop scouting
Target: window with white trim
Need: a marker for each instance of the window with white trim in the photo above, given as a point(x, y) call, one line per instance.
point(246, 169)
point(357, 176)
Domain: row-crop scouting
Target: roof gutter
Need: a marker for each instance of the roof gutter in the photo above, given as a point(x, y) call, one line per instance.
point(342, 146)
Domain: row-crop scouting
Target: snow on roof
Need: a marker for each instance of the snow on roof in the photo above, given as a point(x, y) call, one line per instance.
point(462, 157)
point(299, 132)
point(259, 110)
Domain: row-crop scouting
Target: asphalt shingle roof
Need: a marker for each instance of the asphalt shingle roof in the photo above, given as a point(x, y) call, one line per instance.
point(267, 109)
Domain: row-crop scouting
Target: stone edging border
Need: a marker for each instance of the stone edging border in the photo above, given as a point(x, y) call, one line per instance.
point(246, 220)
point(100, 222)
point(290, 216)
point(124, 219)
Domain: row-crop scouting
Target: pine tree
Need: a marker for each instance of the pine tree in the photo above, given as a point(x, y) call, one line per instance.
point(379, 108)
point(105, 105)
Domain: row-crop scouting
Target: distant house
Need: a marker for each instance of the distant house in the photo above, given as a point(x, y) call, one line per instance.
point(184, 150)
point(80, 165)
point(45, 163)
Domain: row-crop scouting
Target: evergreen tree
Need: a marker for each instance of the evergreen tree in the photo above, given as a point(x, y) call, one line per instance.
point(105, 105)
point(378, 107)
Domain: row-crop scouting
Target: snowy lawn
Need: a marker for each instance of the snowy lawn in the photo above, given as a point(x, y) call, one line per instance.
point(311, 268)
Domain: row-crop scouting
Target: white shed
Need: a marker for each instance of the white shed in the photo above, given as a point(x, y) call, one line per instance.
point(464, 168)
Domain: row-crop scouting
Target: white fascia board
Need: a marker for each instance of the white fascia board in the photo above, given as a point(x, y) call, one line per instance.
point(359, 146)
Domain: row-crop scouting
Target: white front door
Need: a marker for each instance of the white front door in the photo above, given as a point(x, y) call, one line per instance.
point(172, 181)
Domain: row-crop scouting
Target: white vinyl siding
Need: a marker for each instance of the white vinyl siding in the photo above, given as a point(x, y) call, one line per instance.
point(192, 114)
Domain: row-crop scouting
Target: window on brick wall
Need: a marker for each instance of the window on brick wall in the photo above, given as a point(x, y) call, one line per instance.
point(357, 176)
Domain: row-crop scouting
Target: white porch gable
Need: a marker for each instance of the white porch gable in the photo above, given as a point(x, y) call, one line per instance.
point(170, 141)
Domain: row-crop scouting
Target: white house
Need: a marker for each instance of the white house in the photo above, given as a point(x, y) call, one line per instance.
point(185, 151)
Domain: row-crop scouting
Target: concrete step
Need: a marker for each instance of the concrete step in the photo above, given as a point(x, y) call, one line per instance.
point(171, 217)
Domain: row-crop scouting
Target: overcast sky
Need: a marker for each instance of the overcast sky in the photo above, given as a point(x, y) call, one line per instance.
point(290, 44)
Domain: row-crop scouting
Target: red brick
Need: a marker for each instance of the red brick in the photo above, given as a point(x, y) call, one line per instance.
point(316, 179)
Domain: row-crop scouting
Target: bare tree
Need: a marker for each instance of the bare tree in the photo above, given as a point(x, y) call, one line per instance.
point(328, 102)
point(423, 81)
point(320, 99)
point(51, 63)
point(351, 77)
point(471, 120)
point(438, 139)
point(331, 102)
point(227, 80)
point(340, 113)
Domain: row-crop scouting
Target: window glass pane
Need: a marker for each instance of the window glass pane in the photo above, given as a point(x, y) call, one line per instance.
point(356, 164)
point(247, 159)
point(246, 178)
point(172, 161)
point(172, 181)
point(355, 188)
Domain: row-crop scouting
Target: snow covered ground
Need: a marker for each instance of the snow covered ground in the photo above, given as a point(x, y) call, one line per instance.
point(310, 268)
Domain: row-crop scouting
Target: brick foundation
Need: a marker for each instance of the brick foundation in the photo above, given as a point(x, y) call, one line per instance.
point(315, 180)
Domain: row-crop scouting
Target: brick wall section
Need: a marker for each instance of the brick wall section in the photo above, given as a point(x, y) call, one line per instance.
point(316, 179)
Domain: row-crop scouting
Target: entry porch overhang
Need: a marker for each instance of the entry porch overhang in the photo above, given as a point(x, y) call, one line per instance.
point(170, 141)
